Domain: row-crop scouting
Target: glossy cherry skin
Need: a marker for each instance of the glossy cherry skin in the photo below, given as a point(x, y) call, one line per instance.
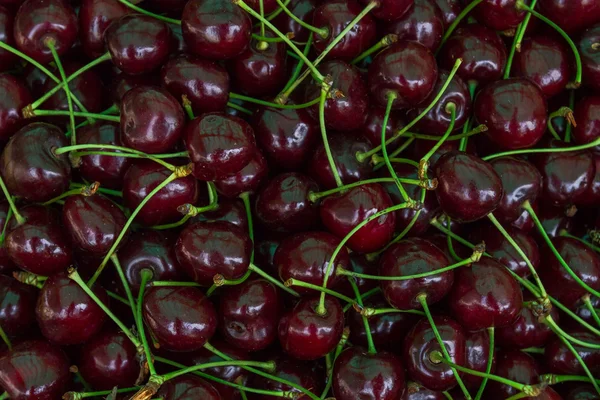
point(478, 352)
point(287, 137)
point(344, 146)
point(420, 342)
point(247, 180)
point(15, 95)
point(407, 69)
point(219, 145)
point(590, 57)
point(305, 257)
point(298, 372)
point(482, 51)
point(122, 83)
point(526, 331)
point(132, 32)
point(375, 376)
point(349, 112)
point(485, 295)
point(468, 188)
point(66, 314)
point(516, 366)
point(215, 29)
point(342, 212)
point(17, 306)
point(303, 9)
point(228, 210)
point(95, 16)
point(205, 249)
point(414, 391)
point(179, 318)
point(390, 10)
point(499, 15)
point(29, 166)
point(7, 59)
point(34, 369)
point(188, 387)
point(559, 359)
point(592, 194)
point(409, 257)
point(423, 23)
point(587, 115)
point(282, 204)
point(40, 20)
point(144, 176)
point(151, 120)
point(109, 359)
point(572, 16)
point(249, 314)
point(306, 335)
point(205, 83)
point(335, 15)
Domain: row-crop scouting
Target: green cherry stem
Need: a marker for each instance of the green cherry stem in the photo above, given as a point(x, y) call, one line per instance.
point(552, 379)
point(564, 112)
point(11, 202)
point(85, 395)
point(316, 196)
point(30, 279)
point(150, 14)
point(465, 139)
point(336, 353)
point(239, 108)
point(52, 113)
point(274, 281)
point(5, 339)
point(263, 41)
point(273, 105)
point(364, 296)
point(323, 32)
point(457, 21)
point(488, 367)
point(377, 159)
point(9, 215)
point(478, 129)
point(332, 165)
point(116, 193)
point(564, 233)
point(424, 163)
point(279, 10)
point(588, 304)
point(399, 150)
point(371, 312)
point(295, 282)
point(384, 42)
point(570, 126)
point(370, 344)
point(112, 110)
point(547, 150)
point(145, 276)
point(84, 190)
point(219, 280)
point(534, 350)
point(174, 284)
point(50, 43)
point(516, 46)
point(4, 396)
point(124, 283)
point(187, 106)
point(300, 63)
point(548, 320)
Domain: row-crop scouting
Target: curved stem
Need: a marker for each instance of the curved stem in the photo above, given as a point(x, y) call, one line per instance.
point(564, 112)
point(548, 150)
point(323, 32)
point(11, 203)
point(553, 379)
point(588, 304)
point(371, 312)
point(125, 152)
point(295, 282)
point(124, 283)
point(239, 108)
point(267, 365)
point(332, 165)
point(84, 190)
point(263, 41)
point(274, 105)
point(109, 111)
point(516, 46)
point(316, 196)
point(51, 113)
point(150, 14)
point(399, 150)
point(384, 42)
point(490, 361)
point(276, 282)
point(573, 123)
point(85, 395)
point(145, 275)
point(424, 163)
point(478, 129)
point(457, 21)
point(248, 208)
point(548, 320)
point(370, 343)
point(50, 44)
point(300, 63)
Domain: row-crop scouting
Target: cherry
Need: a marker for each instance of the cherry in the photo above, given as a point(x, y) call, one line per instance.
point(423, 23)
point(482, 51)
point(485, 295)
point(246, 180)
point(592, 194)
point(142, 177)
point(293, 371)
point(420, 342)
point(389, 10)
point(571, 16)
point(219, 145)
point(342, 212)
point(450, 10)
point(409, 257)
point(306, 256)
point(515, 112)
point(205, 249)
point(373, 126)
point(188, 387)
point(499, 15)
point(204, 83)
point(590, 58)
point(17, 306)
point(406, 69)
point(414, 391)
point(468, 188)
point(15, 96)
point(587, 115)
point(478, 354)
point(348, 112)
point(130, 33)
point(559, 359)
point(7, 59)
point(34, 369)
point(526, 331)
point(554, 220)
point(30, 167)
point(286, 136)
point(34, 79)
point(422, 147)
point(303, 10)
point(282, 204)
point(122, 83)
point(39, 21)
point(249, 314)
point(269, 6)
point(374, 376)
point(95, 16)
point(179, 318)
point(306, 335)
point(228, 210)
point(516, 366)
point(215, 29)
point(108, 360)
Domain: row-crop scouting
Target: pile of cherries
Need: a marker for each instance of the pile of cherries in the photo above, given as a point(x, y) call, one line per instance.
point(300, 199)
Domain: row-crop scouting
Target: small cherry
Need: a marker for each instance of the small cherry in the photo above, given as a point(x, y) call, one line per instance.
point(587, 115)
point(560, 360)
point(7, 59)
point(247, 180)
point(188, 387)
point(291, 370)
point(590, 56)
point(478, 354)
point(571, 16)
point(516, 366)
point(302, 10)
point(95, 16)
point(423, 23)
point(17, 306)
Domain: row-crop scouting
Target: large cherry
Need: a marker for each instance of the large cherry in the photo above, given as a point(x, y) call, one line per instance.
point(188, 387)
point(7, 59)
point(499, 15)
point(590, 56)
point(587, 115)
point(15, 96)
point(478, 354)
point(17, 306)
point(423, 23)
point(294, 371)
point(95, 16)
point(572, 16)
point(560, 360)
point(247, 180)
point(516, 366)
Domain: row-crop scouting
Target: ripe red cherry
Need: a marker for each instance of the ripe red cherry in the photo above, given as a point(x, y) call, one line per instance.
point(478, 353)
point(590, 56)
point(15, 95)
point(571, 16)
point(229, 210)
point(450, 10)
point(95, 16)
point(516, 366)
point(247, 180)
point(423, 23)
point(188, 387)
point(499, 15)
point(7, 59)
point(526, 331)
point(559, 359)
point(215, 29)
point(587, 115)
point(294, 371)
point(389, 10)
point(17, 307)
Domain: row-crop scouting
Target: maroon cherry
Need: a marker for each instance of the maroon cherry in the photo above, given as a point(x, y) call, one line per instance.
point(371, 130)
point(559, 359)
point(204, 83)
point(450, 10)
point(468, 188)
point(188, 387)
point(246, 180)
point(414, 391)
point(303, 10)
point(34, 370)
point(215, 29)
point(306, 335)
point(478, 354)
point(95, 16)
point(39, 22)
point(571, 16)
point(17, 306)
point(389, 10)
point(590, 56)
point(516, 366)
point(592, 194)
point(228, 210)
point(7, 59)
point(342, 212)
point(587, 115)
point(294, 371)
point(423, 23)
point(499, 15)
point(179, 318)
point(122, 83)
point(15, 96)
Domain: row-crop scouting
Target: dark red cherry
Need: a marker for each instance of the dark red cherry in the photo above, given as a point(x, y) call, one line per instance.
point(303, 9)
point(179, 318)
point(142, 177)
point(342, 212)
point(414, 256)
point(420, 342)
point(450, 10)
point(346, 113)
point(335, 15)
point(127, 35)
point(516, 366)
point(95, 16)
point(188, 387)
point(215, 29)
point(30, 167)
point(305, 257)
point(249, 314)
point(306, 335)
point(109, 359)
point(122, 83)
point(204, 83)
point(592, 194)
point(414, 391)
point(287, 137)
point(268, 5)
point(151, 120)
point(247, 179)
point(228, 210)
point(371, 130)
point(468, 188)
point(587, 115)
point(34, 79)
point(499, 15)
point(7, 59)
point(34, 370)
point(66, 314)
point(205, 249)
point(13, 98)
point(423, 23)
point(294, 371)
point(39, 21)
point(94, 222)
point(526, 331)
point(572, 16)
point(17, 306)
point(482, 51)
point(406, 69)
point(478, 354)
point(282, 204)
point(485, 295)
point(590, 56)
point(554, 220)
point(344, 146)
point(375, 376)
point(219, 145)
point(559, 359)
point(389, 10)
